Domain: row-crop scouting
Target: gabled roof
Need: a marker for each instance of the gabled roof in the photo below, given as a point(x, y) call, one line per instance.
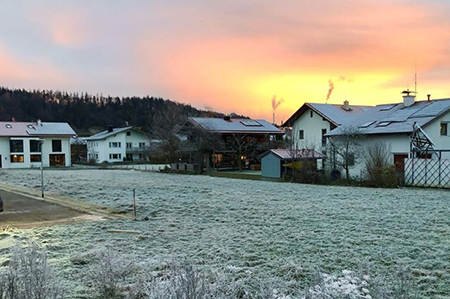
point(30, 129)
point(335, 114)
point(286, 154)
point(235, 125)
point(107, 133)
point(396, 118)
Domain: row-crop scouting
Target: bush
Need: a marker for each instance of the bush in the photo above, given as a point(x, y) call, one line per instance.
point(28, 276)
point(380, 173)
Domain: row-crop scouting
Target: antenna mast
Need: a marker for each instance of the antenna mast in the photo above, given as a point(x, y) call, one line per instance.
point(415, 77)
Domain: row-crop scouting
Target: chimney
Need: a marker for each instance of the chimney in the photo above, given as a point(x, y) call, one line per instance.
point(39, 123)
point(110, 129)
point(227, 117)
point(346, 106)
point(428, 97)
point(408, 99)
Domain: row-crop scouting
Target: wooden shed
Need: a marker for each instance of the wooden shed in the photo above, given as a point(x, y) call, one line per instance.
point(274, 161)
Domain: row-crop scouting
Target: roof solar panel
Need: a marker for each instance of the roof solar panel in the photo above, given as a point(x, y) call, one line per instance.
point(250, 123)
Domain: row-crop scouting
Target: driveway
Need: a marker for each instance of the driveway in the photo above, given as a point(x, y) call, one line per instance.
point(25, 211)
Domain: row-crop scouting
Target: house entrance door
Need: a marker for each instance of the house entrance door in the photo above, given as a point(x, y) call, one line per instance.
point(399, 162)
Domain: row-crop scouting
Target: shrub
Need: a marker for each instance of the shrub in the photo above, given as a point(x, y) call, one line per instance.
point(28, 275)
point(380, 173)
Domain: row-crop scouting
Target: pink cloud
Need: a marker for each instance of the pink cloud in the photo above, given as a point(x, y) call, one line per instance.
point(16, 73)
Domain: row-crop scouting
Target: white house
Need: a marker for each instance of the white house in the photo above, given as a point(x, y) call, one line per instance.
point(392, 125)
point(118, 144)
point(312, 121)
point(20, 144)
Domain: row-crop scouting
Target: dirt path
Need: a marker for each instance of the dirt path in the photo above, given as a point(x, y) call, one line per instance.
point(25, 208)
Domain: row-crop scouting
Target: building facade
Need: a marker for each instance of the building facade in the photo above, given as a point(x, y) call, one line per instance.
point(30, 144)
point(117, 145)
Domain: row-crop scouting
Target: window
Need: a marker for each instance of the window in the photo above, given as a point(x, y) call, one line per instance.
point(16, 146)
point(301, 134)
point(141, 144)
point(35, 146)
point(56, 146)
point(35, 158)
point(383, 123)
point(16, 158)
point(129, 145)
point(114, 144)
point(443, 129)
point(324, 139)
point(115, 156)
point(311, 114)
point(128, 133)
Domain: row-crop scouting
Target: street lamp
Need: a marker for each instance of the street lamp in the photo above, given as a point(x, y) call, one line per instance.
point(41, 141)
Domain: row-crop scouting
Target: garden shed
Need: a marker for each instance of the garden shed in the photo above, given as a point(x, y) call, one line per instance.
point(274, 162)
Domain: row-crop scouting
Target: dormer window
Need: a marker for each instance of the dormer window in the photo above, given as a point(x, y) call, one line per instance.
point(30, 127)
point(8, 126)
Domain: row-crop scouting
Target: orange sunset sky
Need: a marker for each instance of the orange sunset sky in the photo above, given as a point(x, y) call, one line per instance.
point(230, 56)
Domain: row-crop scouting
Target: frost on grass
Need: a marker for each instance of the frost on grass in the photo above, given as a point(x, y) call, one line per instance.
point(261, 235)
point(107, 275)
point(28, 276)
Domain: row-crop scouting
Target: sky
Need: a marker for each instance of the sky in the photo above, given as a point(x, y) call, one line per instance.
point(251, 57)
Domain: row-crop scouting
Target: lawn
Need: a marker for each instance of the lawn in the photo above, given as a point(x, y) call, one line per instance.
point(273, 233)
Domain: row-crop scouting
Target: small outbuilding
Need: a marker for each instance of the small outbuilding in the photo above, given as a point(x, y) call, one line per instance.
point(274, 162)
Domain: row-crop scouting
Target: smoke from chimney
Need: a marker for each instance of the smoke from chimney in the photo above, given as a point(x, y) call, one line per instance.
point(330, 90)
point(276, 103)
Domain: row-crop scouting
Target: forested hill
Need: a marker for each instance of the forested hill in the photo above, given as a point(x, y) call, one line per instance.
point(88, 114)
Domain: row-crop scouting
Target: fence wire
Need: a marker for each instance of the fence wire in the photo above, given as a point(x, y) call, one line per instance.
point(427, 173)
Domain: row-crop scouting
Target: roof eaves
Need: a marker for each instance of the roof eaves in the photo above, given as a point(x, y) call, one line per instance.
point(290, 121)
point(322, 115)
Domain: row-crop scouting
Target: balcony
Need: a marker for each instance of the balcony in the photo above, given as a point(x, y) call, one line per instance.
point(138, 149)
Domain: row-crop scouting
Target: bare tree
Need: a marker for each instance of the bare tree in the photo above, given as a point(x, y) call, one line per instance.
point(304, 165)
point(203, 140)
point(379, 169)
point(346, 149)
point(164, 129)
point(240, 146)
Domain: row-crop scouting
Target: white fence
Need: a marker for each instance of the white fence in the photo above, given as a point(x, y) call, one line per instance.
point(427, 173)
point(148, 167)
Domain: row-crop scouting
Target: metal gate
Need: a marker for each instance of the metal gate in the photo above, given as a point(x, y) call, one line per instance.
point(427, 172)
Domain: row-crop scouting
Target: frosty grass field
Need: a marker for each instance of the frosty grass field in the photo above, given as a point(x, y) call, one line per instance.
point(272, 233)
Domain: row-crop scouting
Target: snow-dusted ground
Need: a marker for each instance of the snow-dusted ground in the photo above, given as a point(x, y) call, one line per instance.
point(277, 233)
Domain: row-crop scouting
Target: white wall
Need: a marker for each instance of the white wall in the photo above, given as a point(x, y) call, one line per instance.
point(396, 143)
point(433, 131)
point(46, 151)
point(312, 128)
point(101, 147)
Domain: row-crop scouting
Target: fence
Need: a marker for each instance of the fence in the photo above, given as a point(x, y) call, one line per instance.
point(427, 172)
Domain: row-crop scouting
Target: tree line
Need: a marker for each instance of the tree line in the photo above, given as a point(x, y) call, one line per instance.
point(88, 114)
